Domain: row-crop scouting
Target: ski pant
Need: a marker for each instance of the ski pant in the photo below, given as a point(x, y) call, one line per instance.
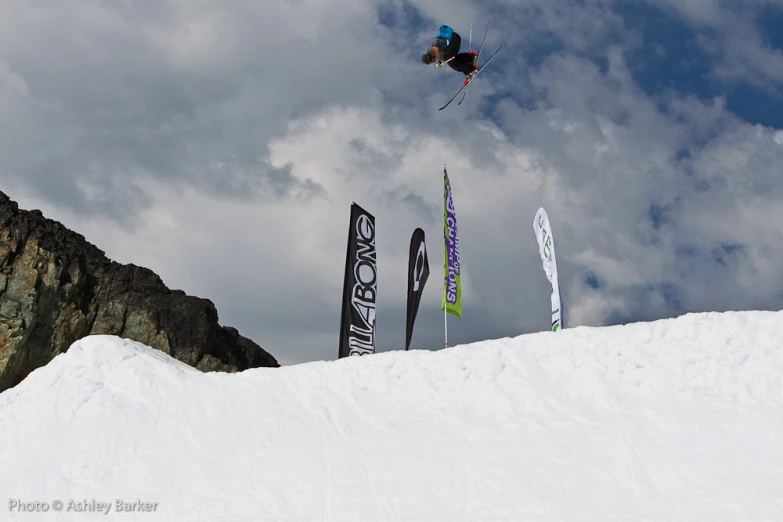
point(463, 63)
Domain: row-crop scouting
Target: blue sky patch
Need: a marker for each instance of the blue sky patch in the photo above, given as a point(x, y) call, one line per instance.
point(671, 59)
point(657, 215)
point(592, 281)
point(727, 254)
point(670, 294)
point(770, 22)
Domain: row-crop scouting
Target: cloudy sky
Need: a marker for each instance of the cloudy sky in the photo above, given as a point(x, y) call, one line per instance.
point(220, 144)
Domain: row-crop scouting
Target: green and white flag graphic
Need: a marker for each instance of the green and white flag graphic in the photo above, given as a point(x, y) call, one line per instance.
point(546, 247)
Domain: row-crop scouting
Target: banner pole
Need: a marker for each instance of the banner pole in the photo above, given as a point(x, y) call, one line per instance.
point(445, 328)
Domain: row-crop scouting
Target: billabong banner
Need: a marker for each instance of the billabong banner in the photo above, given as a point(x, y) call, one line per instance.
point(418, 272)
point(546, 248)
point(357, 323)
point(452, 288)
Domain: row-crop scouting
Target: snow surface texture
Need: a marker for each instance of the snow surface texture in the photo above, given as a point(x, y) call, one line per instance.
point(675, 420)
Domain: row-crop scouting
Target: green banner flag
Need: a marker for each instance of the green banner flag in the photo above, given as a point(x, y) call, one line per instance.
point(452, 289)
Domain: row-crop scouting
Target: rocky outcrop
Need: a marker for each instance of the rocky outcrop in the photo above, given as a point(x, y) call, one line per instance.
point(56, 288)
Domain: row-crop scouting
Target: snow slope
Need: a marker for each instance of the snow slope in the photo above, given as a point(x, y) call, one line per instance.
point(675, 420)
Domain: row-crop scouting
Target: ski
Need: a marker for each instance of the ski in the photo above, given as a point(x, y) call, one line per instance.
point(478, 55)
point(465, 87)
point(482, 42)
point(464, 93)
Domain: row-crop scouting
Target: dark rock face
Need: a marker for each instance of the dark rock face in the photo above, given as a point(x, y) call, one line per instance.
point(56, 288)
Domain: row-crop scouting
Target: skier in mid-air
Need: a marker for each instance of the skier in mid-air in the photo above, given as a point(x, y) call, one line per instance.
point(445, 49)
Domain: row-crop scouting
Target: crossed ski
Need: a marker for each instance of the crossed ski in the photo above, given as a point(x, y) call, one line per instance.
point(464, 88)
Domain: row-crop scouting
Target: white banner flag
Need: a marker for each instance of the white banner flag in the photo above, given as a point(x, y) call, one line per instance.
point(546, 247)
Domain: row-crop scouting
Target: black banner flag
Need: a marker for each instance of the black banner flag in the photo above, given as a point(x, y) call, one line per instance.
point(418, 272)
point(357, 323)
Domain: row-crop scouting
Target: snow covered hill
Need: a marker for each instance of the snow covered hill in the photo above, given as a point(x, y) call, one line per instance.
point(674, 420)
